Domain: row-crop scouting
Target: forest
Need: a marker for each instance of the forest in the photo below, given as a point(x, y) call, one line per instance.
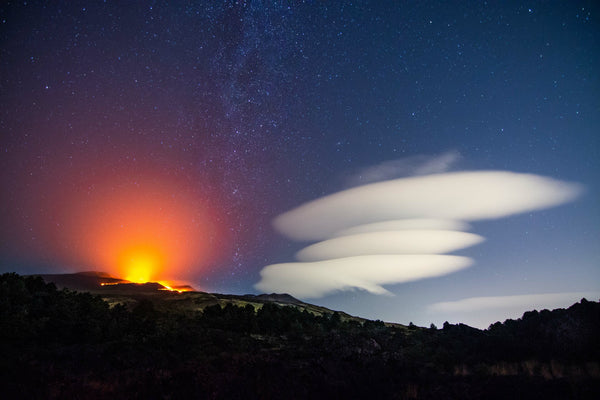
point(67, 344)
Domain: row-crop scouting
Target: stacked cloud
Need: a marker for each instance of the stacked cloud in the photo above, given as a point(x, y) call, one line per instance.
point(412, 241)
point(400, 230)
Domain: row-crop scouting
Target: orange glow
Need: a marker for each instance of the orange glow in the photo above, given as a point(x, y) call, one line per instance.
point(140, 264)
point(139, 230)
point(140, 268)
point(146, 234)
point(169, 286)
point(127, 207)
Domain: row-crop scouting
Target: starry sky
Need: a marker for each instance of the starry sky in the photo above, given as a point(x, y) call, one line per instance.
point(184, 131)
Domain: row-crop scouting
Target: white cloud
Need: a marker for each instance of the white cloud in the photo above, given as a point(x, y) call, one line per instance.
point(390, 232)
point(386, 242)
point(401, 224)
point(408, 166)
point(317, 279)
point(464, 196)
point(525, 302)
point(481, 312)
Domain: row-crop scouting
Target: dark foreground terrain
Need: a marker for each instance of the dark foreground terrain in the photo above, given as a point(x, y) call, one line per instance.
point(73, 345)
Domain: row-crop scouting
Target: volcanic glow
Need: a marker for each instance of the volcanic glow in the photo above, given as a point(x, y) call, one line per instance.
point(148, 233)
point(138, 222)
point(140, 264)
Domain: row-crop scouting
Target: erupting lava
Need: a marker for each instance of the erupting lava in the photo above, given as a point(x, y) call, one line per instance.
point(141, 264)
point(172, 288)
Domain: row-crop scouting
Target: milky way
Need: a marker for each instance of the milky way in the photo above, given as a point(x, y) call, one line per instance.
point(104, 97)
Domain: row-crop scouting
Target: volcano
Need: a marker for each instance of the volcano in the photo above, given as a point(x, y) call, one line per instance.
point(101, 282)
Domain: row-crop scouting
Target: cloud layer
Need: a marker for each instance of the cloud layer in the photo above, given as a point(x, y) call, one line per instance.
point(403, 224)
point(463, 196)
point(389, 242)
point(316, 279)
point(525, 301)
point(408, 166)
point(480, 312)
point(396, 231)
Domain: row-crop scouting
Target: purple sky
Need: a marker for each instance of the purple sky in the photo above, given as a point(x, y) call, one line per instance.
point(239, 113)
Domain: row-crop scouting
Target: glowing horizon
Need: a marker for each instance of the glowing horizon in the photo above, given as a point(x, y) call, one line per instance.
point(144, 234)
point(143, 224)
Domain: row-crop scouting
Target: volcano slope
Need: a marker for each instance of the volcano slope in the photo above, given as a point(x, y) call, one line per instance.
point(61, 343)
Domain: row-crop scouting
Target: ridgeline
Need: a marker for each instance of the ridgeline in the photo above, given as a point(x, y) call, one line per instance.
point(140, 342)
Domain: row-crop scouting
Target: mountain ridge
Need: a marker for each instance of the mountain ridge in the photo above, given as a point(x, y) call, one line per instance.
point(119, 291)
point(69, 344)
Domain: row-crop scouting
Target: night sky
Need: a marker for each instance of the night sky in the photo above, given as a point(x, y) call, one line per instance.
point(183, 134)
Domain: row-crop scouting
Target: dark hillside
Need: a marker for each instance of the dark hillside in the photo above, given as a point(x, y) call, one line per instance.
point(82, 281)
point(65, 344)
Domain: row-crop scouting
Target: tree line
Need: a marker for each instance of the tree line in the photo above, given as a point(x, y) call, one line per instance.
point(58, 343)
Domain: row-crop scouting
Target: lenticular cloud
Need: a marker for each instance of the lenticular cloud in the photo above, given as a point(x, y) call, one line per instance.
point(389, 242)
point(397, 231)
point(316, 279)
point(404, 224)
point(461, 196)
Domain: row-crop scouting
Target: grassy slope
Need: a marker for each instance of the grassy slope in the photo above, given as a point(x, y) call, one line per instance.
point(185, 302)
point(62, 344)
